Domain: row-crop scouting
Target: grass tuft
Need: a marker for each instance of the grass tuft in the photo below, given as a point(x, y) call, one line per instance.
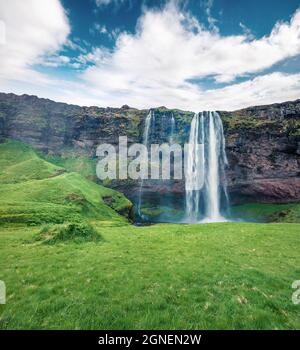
point(76, 232)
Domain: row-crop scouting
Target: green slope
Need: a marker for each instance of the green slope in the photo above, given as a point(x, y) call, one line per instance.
point(34, 190)
point(74, 162)
point(18, 163)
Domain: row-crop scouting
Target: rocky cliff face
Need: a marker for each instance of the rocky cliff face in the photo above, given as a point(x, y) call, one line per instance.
point(263, 143)
point(263, 148)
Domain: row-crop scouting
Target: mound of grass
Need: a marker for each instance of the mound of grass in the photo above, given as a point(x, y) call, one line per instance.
point(35, 191)
point(76, 232)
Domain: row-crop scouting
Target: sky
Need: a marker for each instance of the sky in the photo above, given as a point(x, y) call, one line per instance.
point(189, 54)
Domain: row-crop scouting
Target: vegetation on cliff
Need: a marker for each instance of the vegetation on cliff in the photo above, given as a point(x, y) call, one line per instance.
point(259, 212)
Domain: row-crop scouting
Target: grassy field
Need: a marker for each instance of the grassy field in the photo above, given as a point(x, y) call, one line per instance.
point(215, 276)
point(71, 261)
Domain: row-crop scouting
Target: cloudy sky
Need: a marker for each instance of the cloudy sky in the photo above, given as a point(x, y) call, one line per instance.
point(194, 55)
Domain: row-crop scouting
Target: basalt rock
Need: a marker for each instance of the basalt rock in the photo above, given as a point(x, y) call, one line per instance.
point(262, 143)
point(263, 152)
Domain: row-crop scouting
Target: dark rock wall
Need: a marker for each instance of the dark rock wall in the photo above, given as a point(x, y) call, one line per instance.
point(263, 149)
point(263, 143)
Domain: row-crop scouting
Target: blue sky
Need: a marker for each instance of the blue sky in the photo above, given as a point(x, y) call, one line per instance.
point(195, 55)
point(259, 15)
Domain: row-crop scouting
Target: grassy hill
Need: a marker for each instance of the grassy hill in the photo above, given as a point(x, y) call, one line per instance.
point(33, 190)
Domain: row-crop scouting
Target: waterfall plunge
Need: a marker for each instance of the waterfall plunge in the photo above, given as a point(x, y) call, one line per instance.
point(149, 131)
point(204, 201)
point(194, 165)
point(150, 120)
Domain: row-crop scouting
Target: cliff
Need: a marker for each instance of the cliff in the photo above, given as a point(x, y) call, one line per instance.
point(262, 143)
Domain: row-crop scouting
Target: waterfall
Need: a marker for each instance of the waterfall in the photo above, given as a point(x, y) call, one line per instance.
point(147, 130)
point(149, 125)
point(167, 134)
point(204, 198)
point(194, 164)
point(171, 138)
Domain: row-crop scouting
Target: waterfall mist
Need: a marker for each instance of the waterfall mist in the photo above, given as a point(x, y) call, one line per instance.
point(208, 202)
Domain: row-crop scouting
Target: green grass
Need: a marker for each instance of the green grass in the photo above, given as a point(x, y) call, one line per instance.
point(73, 162)
point(35, 191)
point(267, 212)
point(212, 276)
point(19, 163)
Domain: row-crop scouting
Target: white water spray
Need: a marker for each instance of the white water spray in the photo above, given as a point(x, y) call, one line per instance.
point(150, 120)
point(204, 202)
point(194, 165)
point(171, 138)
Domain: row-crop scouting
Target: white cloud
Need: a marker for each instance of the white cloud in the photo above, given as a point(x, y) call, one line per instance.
point(98, 28)
point(208, 5)
point(101, 3)
point(2, 33)
point(154, 66)
point(265, 89)
point(55, 61)
point(96, 56)
point(170, 48)
point(34, 29)
point(246, 31)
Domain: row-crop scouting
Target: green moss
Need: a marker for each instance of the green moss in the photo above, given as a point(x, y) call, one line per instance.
point(151, 212)
point(237, 122)
point(292, 127)
point(267, 212)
